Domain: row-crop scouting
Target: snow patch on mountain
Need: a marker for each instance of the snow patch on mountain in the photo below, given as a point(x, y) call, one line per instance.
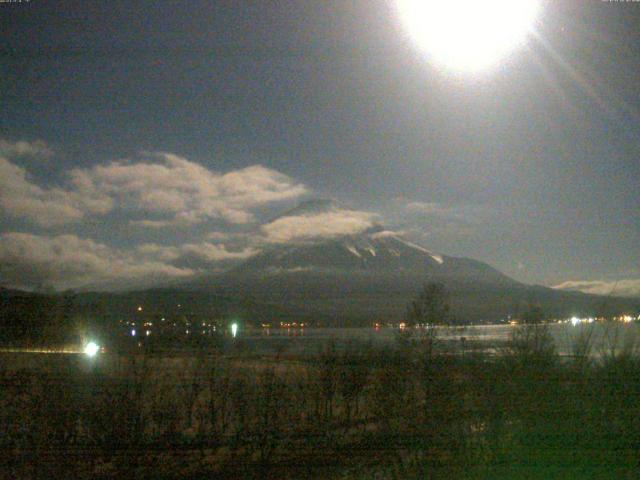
point(437, 258)
point(353, 250)
point(388, 234)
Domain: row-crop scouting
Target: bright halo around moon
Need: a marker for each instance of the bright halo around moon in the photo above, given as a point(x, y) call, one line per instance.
point(468, 35)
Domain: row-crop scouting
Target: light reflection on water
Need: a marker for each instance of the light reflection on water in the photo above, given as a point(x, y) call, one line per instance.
point(605, 338)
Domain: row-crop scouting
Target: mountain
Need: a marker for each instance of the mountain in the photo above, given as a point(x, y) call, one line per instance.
point(376, 252)
point(320, 276)
point(372, 275)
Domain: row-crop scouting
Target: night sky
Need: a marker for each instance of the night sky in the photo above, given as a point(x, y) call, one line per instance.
point(154, 140)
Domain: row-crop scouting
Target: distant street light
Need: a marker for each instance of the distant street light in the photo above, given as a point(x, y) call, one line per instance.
point(234, 330)
point(91, 349)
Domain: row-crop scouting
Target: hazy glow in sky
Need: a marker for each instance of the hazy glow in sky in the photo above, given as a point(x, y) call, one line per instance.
point(468, 34)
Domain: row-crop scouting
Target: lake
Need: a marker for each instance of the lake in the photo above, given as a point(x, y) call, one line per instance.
point(605, 337)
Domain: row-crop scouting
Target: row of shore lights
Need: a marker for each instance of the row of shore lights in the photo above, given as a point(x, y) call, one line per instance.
point(91, 349)
point(234, 326)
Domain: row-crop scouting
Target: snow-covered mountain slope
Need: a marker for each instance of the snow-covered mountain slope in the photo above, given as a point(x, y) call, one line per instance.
point(374, 252)
point(370, 275)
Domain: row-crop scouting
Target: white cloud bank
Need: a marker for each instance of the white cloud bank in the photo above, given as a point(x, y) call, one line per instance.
point(185, 192)
point(205, 251)
point(166, 190)
point(46, 207)
point(620, 288)
point(67, 261)
point(330, 224)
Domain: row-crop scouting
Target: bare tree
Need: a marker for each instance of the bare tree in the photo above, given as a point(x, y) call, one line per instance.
point(327, 378)
point(431, 306)
point(352, 378)
point(532, 342)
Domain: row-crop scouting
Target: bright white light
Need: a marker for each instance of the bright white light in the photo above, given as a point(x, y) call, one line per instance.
point(575, 321)
point(91, 349)
point(468, 34)
point(234, 329)
point(133, 332)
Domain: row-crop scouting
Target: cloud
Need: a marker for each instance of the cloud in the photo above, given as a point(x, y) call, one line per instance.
point(45, 207)
point(620, 288)
point(215, 253)
point(387, 234)
point(183, 193)
point(321, 225)
point(67, 261)
point(170, 191)
point(204, 251)
point(455, 213)
point(177, 221)
point(430, 208)
point(23, 148)
point(219, 235)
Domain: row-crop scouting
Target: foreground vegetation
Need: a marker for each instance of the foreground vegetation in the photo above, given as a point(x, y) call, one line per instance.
point(411, 411)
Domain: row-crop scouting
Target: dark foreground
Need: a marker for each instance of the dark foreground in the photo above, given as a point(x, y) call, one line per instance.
point(410, 411)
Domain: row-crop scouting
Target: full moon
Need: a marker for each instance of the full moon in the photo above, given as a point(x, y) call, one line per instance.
point(468, 35)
